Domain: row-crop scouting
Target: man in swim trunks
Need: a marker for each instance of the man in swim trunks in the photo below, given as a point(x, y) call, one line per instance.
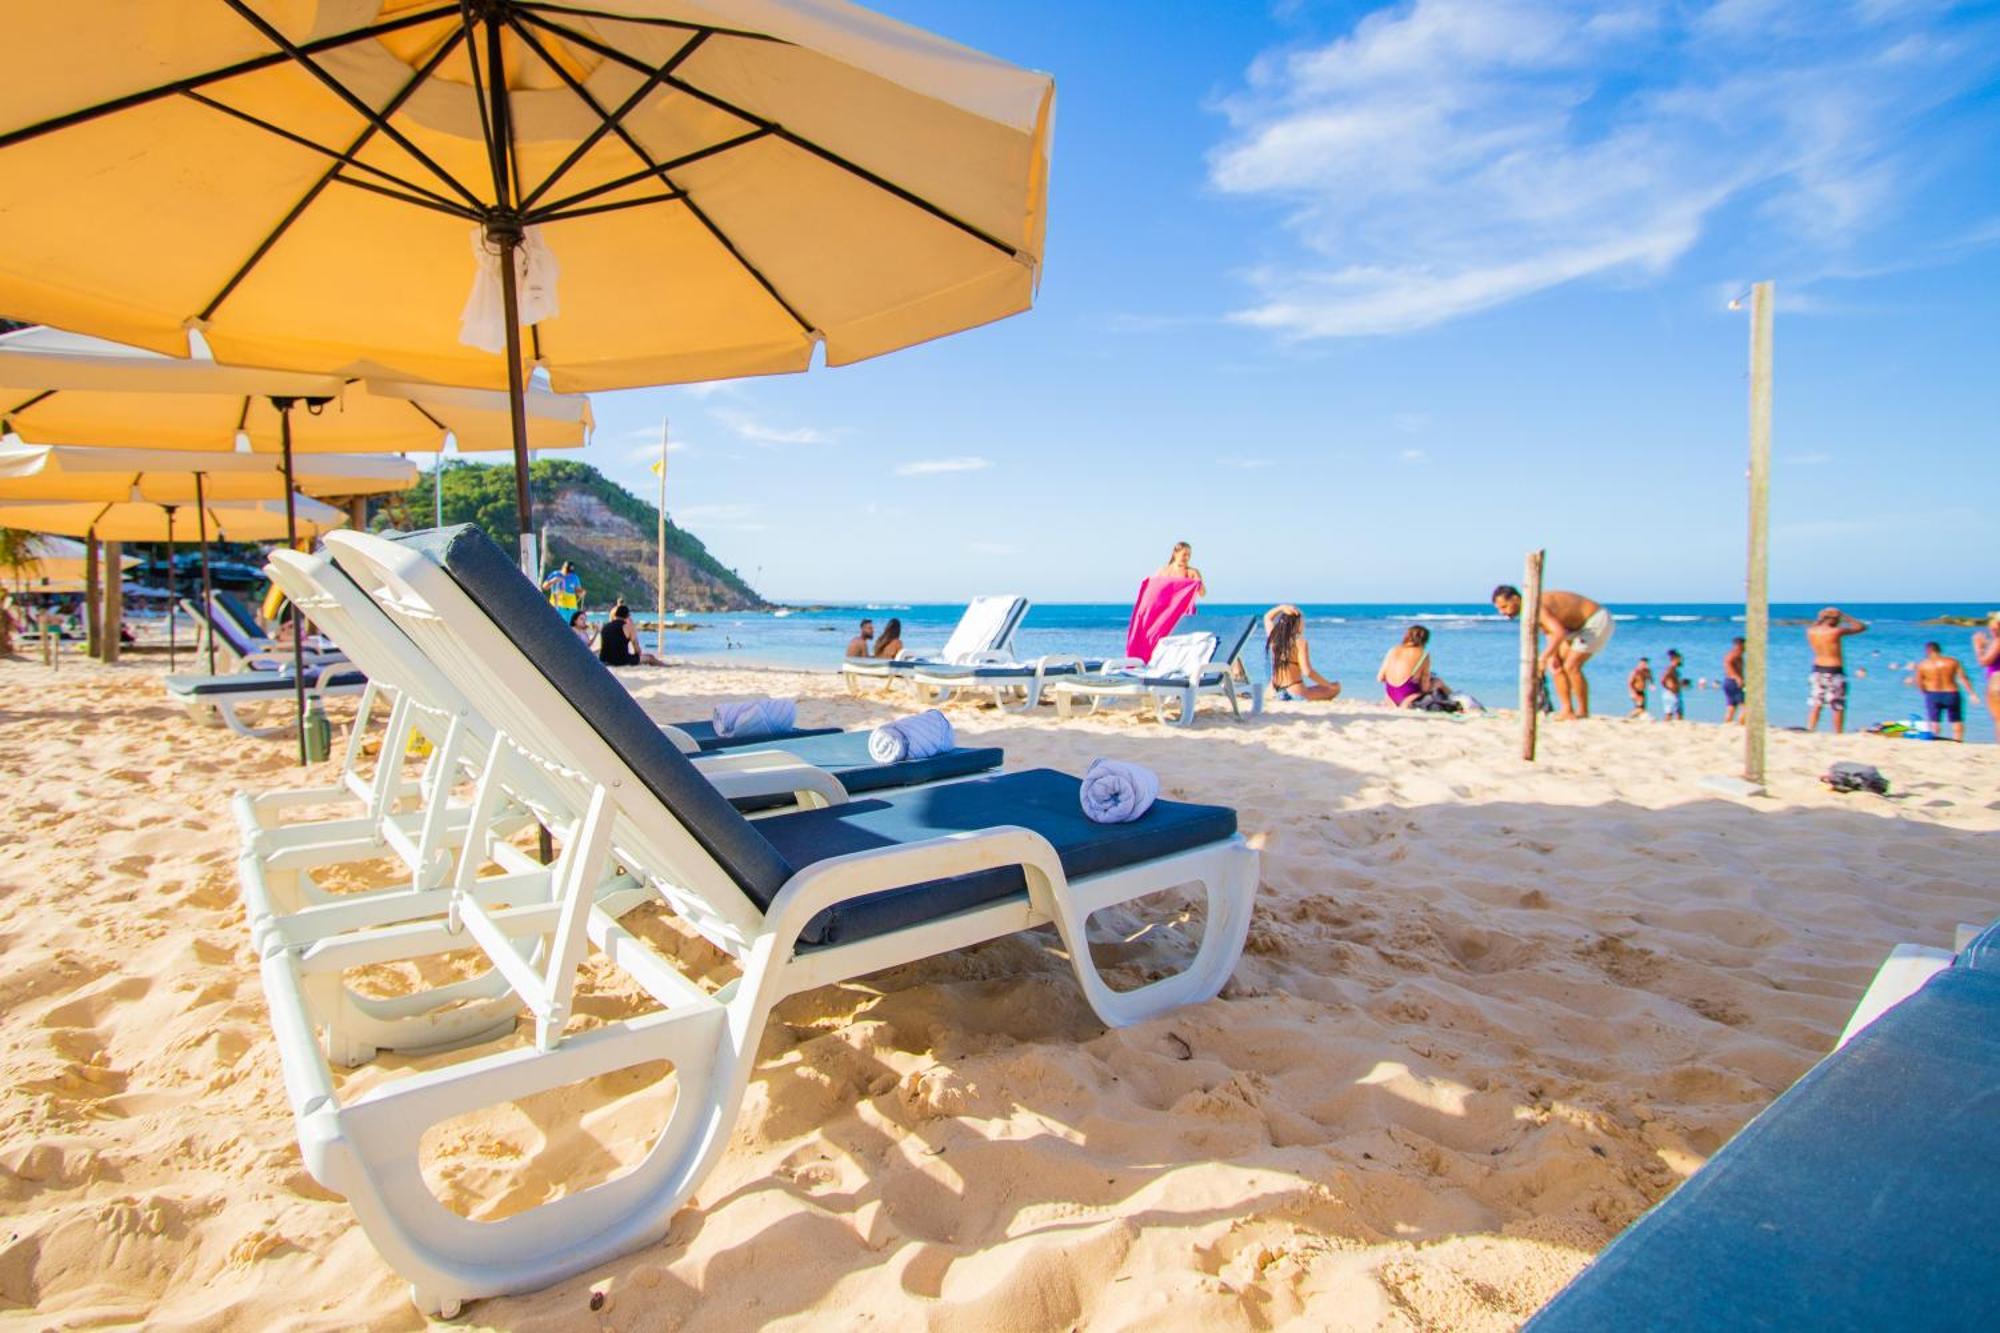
point(1673, 704)
point(1578, 629)
point(1942, 679)
point(1827, 635)
point(1636, 685)
point(1732, 683)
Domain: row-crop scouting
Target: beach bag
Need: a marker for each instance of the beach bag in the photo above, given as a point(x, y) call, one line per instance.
point(1856, 777)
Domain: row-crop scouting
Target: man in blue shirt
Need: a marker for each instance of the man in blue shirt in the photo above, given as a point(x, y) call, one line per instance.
point(564, 589)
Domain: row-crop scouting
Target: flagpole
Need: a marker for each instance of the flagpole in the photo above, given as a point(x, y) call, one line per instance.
point(660, 624)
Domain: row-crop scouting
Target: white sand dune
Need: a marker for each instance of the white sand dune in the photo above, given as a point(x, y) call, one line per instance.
point(1487, 1016)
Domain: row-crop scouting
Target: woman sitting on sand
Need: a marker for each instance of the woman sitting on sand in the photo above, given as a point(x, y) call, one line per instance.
point(1406, 669)
point(1292, 674)
point(579, 624)
point(891, 641)
point(618, 641)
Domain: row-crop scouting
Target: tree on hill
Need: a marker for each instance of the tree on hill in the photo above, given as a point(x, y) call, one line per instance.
point(608, 561)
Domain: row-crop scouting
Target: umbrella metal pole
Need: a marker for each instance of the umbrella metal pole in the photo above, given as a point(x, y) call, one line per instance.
point(173, 599)
point(509, 241)
point(207, 586)
point(284, 406)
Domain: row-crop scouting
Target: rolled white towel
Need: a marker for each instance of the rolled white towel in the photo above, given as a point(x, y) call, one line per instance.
point(755, 717)
point(1116, 793)
point(916, 737)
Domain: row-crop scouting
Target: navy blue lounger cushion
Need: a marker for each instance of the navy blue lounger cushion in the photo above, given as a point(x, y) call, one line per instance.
point(1040, 799)
point(257, 682)
point(845, 755)
point(1866, 1197)
point(703, 735)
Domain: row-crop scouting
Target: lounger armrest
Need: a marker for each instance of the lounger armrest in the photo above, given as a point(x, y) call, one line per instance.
point(1042, 664)
point(1122, 664)
point(858, 874)
point(771, 773)
point(682, 741)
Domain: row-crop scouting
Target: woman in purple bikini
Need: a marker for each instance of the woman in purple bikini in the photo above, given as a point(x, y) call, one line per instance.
point(1406, 670)
point(1986, 651)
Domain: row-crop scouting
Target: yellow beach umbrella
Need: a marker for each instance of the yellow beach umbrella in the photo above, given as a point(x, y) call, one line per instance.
point(147, 521)
point(186, 476)
point(663, 190)
point(58, 562)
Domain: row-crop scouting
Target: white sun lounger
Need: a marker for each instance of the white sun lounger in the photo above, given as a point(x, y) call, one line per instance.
point(236, 634)
point(985, 632)
point(800, 900)
point(1172, 683)
point(218, 701)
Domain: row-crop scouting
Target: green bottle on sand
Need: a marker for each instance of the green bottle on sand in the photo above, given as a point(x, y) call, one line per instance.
point(319, 732)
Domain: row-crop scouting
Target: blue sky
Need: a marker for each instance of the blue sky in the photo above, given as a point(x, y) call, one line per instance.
point(1364, 301)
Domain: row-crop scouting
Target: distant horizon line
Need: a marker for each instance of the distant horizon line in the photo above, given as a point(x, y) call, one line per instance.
point(1615, 603)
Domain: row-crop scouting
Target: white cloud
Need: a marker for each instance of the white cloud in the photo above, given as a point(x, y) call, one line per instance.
point(1413, 456)
point(931, 467)
point(712, 389)
point(1447, 156)
point(643, 445)
point(760, 432)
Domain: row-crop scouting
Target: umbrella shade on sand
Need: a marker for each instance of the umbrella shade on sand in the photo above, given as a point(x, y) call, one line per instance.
point(664, 190)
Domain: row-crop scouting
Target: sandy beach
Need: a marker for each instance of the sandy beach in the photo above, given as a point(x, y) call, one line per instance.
point(1488, 1014)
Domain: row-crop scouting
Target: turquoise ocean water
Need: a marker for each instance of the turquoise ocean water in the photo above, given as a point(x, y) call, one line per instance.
point(1471, 647)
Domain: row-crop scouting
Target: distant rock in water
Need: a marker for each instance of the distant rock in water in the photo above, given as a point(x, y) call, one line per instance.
point(605, 530)
point(1970, 622)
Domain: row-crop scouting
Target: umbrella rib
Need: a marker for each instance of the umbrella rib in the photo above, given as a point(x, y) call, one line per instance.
point(624, 136)
point(311, 145)
point(591, 210)
point(791, 137)
point(609, 122)
point(18, 408)
point(251, 66)
point(654, 22)
point(305, 61)
point(319, 186)
point(444, 206)
point(651, 171)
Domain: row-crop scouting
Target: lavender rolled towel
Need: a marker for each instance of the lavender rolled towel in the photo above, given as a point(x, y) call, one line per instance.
point(918, 737)
point(1117, 793)
point(756, 717)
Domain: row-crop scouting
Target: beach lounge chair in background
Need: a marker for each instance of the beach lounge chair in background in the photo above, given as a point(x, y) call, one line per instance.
point(984, 633)
point(1865, 1197)
point(215, 700)
point(799, 900)
point(238, 636)
point(1182, 670)
point(1017, 685)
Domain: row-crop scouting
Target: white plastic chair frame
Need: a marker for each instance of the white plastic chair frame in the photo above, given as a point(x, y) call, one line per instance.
point(367, 1150)
point(1021, 694)
point(897, 670)
point(1174, 703)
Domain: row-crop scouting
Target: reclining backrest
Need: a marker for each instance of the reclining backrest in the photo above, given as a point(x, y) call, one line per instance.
point(232, 634)
point(578, 683)
point(1243, 634)
point(987, 626)
point(232, 607)
point(359, 628)
point(1181, 655)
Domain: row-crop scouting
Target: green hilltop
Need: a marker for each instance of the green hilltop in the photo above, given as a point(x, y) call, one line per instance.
point(608, 532)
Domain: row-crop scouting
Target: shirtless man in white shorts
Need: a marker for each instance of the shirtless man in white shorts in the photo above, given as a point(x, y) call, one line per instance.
point(1578, 629)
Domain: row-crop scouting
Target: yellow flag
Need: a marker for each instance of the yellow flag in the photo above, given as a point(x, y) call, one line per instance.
point(660, 468)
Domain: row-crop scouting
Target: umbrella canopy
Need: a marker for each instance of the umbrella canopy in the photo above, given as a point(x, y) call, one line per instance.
point(65, 388)
point(168, 476)
point(57, 561)
point(129, 521)
point(691, 189)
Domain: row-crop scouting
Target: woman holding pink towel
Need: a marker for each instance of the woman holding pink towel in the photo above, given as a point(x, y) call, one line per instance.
point(1166, 595)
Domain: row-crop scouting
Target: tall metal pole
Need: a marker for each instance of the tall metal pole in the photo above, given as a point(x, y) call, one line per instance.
point(1531, 653)
point(173, 599)
point(509, 241)
point(660, 624)
point(1757, 593)
point(284, 406)
point(207, 586)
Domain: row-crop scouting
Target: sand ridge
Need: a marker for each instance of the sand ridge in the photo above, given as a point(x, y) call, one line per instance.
point(1486, 1016)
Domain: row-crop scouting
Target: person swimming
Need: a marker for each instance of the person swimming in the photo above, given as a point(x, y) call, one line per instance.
point(1406, 669)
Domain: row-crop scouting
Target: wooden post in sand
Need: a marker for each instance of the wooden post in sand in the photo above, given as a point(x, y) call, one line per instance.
point(114, 599)
point(1531, 653)
point(1757, 592)
point(93, 588)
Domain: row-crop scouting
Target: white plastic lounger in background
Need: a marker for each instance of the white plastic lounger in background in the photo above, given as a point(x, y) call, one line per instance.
point(1009, 684)
point(218, 701)
point(1181, 672)
point(631, 813)
point(985, 632)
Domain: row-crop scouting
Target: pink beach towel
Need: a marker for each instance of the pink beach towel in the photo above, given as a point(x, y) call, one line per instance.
point(1161, 604)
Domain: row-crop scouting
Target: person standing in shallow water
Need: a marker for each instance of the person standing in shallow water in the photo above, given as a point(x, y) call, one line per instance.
point(1945, 685)
point(1732, 683)
point(1578, 628)
point(1986, 652)
point(1827, 636)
